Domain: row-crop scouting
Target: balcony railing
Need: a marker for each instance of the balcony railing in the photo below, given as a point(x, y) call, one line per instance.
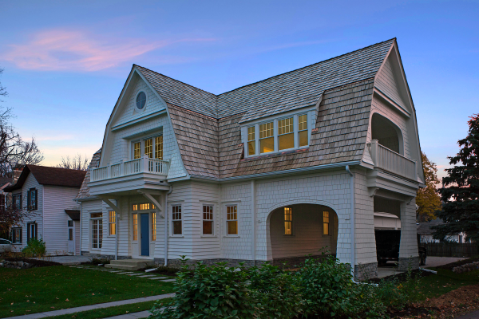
point(391, 161)
point(136, 166)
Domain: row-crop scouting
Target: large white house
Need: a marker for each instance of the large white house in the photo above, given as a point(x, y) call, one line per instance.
point(271, 171)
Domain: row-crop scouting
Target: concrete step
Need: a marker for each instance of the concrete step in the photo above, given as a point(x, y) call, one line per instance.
point(130, 264)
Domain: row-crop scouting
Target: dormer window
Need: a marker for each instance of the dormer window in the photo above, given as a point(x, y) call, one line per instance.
point(151, 147)
point(277, 135)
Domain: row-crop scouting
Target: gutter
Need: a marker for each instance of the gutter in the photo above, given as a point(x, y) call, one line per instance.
point(166, 224)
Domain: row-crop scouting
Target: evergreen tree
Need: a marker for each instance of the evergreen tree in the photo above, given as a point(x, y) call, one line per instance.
point(460, 192)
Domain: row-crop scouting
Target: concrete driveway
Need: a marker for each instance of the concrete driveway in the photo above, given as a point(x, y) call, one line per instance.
point(440, 261)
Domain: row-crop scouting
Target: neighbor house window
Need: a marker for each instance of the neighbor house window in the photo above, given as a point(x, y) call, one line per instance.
point(135, 226)
point(266, 137)
point(31, 231)
point(303, 130)
point(176, 220)
point(286, 133)
point(136, 150)
point(2, 202)
point(251, 140)
point(17, 235)
point(325, 223)
point(112, 222)
point(207, 219)
point(96, 230)
point(232, 219)
point(153, 226)
point(17, 201)
point(288, 221)
point(32, 199)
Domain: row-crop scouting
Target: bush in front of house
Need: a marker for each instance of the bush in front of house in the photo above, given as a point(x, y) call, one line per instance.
point(100, 261)
point(35, 248)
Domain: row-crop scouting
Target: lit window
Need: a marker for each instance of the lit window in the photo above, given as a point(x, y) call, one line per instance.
point(286, 133)
point(232, 219)
point(112, 222)
point(136, 150)
point(325, 223)
point(153, 226)
point(266, 142)
point(176, 220)
point(207, 220)
point(159, 147)
point(143, 206)
point(149, 148)
point(251, 141)
point(135, 226)
point(303, 130)
point(288, 221)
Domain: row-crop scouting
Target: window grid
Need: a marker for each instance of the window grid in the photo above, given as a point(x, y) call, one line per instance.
point(288, 221)
point(207, 219)
point(159, 147)
point(303, 130)
point(135, 226)
point(251, 140)
point(112, 222)
point(232, 219)
point(266, 130)
point(149, 148)
point(136, 150)
point(325, 223)
point(285, 126)
point(176, 219)
point(97, 230)
point(153, 226)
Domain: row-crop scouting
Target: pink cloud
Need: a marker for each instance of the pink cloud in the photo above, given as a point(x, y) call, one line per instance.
point(60, 50)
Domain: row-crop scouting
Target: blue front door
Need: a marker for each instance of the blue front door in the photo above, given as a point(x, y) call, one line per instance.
point(145, 234)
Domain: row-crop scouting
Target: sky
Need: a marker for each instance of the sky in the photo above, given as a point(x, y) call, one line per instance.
point(65, 62)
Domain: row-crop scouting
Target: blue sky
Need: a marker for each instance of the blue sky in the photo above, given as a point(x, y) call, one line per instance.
point(66, 61)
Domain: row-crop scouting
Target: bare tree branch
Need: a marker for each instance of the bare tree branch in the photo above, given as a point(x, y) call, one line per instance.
point(77, 162)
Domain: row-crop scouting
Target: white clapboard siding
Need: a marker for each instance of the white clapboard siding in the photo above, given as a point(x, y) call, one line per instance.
point(57, 199)
point(388, 80)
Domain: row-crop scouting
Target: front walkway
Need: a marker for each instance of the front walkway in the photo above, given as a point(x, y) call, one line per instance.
point(93, 307)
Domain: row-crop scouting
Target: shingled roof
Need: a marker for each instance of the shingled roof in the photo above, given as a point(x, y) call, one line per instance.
point(207, 126)
point(84, 190)
point(52, 176)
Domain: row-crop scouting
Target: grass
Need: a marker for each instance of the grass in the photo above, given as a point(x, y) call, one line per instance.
point(58, 287)
point(445, 281)
point(109, 312)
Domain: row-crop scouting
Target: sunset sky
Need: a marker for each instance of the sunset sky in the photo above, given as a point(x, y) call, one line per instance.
point(65, 62)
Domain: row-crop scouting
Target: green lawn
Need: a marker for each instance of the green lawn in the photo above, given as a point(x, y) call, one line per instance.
point(57, 287)
point(445, 281)
point(110, 312)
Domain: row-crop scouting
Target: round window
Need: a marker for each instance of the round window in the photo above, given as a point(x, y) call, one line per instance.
point(140, 100)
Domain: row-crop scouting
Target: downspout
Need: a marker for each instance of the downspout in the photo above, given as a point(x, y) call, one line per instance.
point(353, 224)
point(166, 224)
point(253, 204)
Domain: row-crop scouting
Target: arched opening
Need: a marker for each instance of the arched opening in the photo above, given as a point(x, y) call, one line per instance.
point(387, 230)
point(299, 230)
point(387, 133)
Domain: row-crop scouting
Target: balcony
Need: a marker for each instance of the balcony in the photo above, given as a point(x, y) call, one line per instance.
point(126, 177)
point(391, 161)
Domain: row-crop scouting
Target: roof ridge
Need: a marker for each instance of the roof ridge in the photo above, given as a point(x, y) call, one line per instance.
point(43, 166)
point(309, 65)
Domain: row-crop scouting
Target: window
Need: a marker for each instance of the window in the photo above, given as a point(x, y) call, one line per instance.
point(286, 133)
point(31, 231)
point(149, 148)
point(2, 202)
point(32, 199)
point(288, 221)
point(266, 142)
point(17, 201)
point(143, 206)
point(70, 223)
point(153, 226)
point(135, 226)
point(159, 147)
point(232, 219)
point(112, 222)
point(251, 140)
point(140, 100)
point(70, 233)
point(176, 220)
point(325, 223)
point(207, 219)
point(96, 230)
point(136, 150)
point(303, 130)
point(17, 235)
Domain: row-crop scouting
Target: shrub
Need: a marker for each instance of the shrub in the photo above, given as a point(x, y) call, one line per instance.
point(100, 261)
point(395, 294)
point(35, 248)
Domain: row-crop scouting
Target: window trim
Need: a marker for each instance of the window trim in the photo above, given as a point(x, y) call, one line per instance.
point(31, 191)
point(213, 220)
point(100, 242)
point(237, 220)
point(142, 140)
point(172, 220)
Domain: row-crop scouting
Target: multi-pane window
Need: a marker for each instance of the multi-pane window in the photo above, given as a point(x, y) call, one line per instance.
point(251, 140)
point(266, 137)
point(232, 219)
point(17, 201)
point(303, 130)
point(112, 222)
point(17, 235)
point(32, 199)
point(143, 206)
point(176, 220)
point(153, 226)
point(159, 147)
point(135, 226)
point(149, 148)
point(286, 133)
point(207, 219)
point(136, 150)
point(96, 230)
point(288, 221)
point(325, 223)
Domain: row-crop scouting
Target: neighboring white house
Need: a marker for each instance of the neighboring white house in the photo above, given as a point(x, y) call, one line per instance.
point(271, 171)
point(47, 196)
point(426, 233)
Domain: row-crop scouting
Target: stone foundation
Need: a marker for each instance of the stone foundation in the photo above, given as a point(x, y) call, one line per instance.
point(366, 271)
point(405, 263)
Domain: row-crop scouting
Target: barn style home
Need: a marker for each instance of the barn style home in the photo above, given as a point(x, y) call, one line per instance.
point(271, 171)
point(46, 195)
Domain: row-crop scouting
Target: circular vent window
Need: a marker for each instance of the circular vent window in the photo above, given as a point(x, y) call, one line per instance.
point(140, 100)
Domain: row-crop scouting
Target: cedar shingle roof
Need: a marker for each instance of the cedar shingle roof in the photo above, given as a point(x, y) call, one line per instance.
point(52, 176)
point(84, 190)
